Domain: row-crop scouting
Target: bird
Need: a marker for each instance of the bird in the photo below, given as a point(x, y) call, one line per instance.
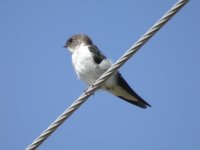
point(90, 63)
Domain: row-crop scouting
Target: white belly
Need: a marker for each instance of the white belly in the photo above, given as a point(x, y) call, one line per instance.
point(85, 67)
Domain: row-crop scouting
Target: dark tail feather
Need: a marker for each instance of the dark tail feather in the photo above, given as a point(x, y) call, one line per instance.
point(140, 102)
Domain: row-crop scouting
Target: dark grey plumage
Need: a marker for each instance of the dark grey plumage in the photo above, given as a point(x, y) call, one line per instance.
point(97, 55)
point(77, 39)
point(140, 102)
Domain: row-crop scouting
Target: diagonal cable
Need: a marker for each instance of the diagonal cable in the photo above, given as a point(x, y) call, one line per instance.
point(121, 61)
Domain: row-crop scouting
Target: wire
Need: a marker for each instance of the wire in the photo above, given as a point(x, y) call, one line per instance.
point(91, 89)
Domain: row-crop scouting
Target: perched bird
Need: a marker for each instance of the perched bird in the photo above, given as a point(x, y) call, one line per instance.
point(90, 63)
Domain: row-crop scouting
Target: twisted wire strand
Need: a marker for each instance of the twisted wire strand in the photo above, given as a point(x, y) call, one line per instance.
point(121, 61)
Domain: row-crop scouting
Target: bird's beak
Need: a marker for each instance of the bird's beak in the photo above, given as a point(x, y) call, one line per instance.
point(65, 46)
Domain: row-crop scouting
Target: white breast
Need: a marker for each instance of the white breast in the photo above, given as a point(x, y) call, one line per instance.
point(85, 67)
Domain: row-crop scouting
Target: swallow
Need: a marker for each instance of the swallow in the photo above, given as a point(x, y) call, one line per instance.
point(90, 63)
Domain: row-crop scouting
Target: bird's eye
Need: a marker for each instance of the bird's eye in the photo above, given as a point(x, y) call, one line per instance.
point(71, 40)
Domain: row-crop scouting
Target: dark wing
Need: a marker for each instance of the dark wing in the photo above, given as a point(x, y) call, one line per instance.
point(137, 100)
point(97, 55)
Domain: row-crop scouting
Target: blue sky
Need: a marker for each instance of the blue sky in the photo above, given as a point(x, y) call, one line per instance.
point(38, 81)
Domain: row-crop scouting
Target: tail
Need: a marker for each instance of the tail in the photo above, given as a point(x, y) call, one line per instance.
point(125, 92)
point(140, 103)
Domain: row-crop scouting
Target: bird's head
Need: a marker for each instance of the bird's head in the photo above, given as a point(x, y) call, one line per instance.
point(76, 41)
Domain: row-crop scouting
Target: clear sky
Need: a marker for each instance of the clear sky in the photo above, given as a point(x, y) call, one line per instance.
point(37, 80)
